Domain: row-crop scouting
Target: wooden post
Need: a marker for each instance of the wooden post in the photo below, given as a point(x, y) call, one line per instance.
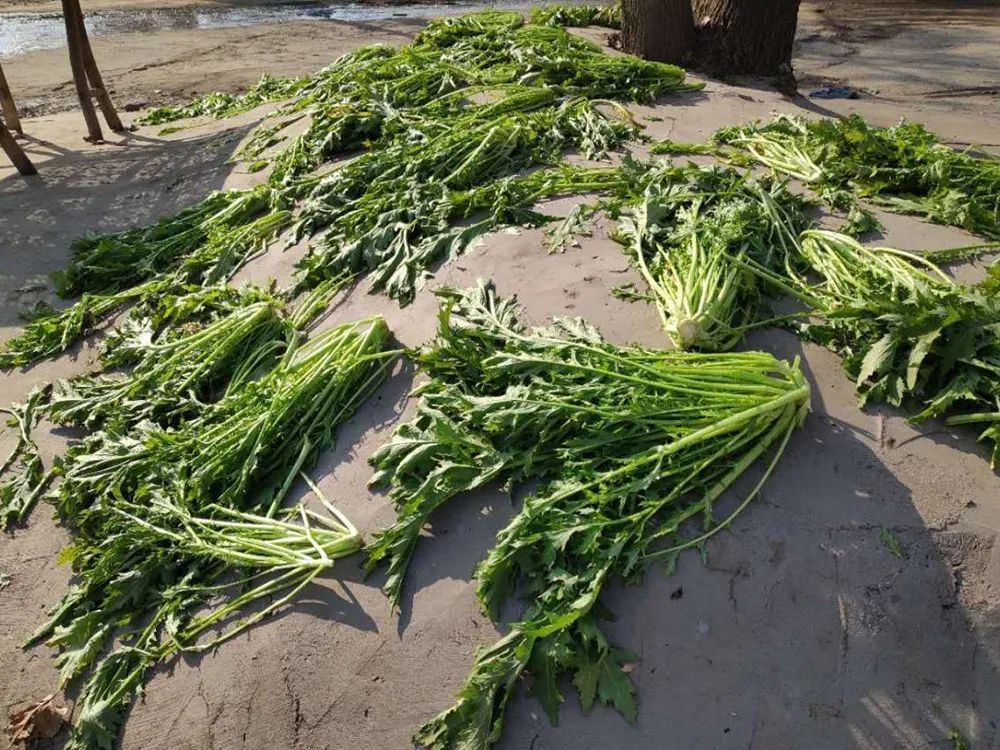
point(94, 75)
point(13, 150)
point(71, 14)
point(7, 107)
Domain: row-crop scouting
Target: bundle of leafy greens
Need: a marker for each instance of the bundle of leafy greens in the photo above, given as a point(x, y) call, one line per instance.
point(182, 364)
point(578, 15)
point(202, 246)
point(686, 234)
point(629, 444)
point(908, 335)
point(904, 168)
point(172, 511)
point(446, 123)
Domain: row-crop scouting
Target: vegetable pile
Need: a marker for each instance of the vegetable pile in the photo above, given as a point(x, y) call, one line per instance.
point(904, 168)
point(200, 247)
point(629, 444)
point(908, 335)
point(686, 236)
point(444, 122)
point(175, 498)
point(609, 16)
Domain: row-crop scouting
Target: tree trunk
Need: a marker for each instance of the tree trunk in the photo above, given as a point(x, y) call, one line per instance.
point(7, 107)
point(74, 40)
point(658, 29)
point(15, 153)
point(746, 36)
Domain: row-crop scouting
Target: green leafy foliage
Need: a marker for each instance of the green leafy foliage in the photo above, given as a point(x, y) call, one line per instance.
point(26, 478)
point(220, 105)
point(115, 262)
point(176, 499)
point(891, 543)
point(151, 267)
point(471, 103)
point(609, 16)
point(686, 235)
point(908, 335)
point(628, 444)
point(904, 168)
point(183, 359)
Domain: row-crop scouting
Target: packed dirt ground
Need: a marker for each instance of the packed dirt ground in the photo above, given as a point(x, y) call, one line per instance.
point(800, 629)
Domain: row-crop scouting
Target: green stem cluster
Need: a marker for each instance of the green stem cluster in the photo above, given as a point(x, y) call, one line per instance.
point(629, 445)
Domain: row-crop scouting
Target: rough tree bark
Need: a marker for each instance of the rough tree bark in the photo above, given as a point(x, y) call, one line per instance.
point(7, 107)
point(658, 29)
point(746, 36)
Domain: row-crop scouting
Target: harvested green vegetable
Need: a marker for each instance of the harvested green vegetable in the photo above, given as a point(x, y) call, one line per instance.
point(168, 518)
point(51, 331)
point(471, 102)
point(177, 374)
point(904, 168)
point(27, 477)
point(220, 105)
point(908, 335)
point(630, 443)
point(163, 262)
point(685, 236)
point(115, 262)
point(578, 15)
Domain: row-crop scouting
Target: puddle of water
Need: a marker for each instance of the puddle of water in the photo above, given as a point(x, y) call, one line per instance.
point(24, 32)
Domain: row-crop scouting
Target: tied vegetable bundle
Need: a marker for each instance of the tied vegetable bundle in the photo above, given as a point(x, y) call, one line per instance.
point(629, 443)
point(908, 335)
point(904, 168)
point(177, 518)
point(687, 234)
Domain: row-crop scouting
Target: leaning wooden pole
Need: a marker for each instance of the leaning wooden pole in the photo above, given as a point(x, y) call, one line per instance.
point(74, 40)
point(7, 107)
point(94, 75)
point(15, 153)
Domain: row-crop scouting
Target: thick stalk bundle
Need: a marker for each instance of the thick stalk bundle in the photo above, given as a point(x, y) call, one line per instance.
point(904, 168)
point(686, 236)
point(177, 374)
point(629, 443)
point(908, 335)
point(168, 518)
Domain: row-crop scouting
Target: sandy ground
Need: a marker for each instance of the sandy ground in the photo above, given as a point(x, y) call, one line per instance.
point(801, 630)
